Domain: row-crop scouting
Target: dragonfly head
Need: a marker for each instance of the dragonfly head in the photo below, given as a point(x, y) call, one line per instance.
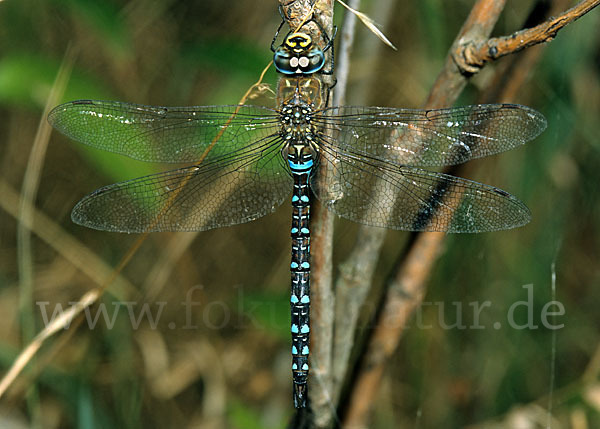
point(297, 55)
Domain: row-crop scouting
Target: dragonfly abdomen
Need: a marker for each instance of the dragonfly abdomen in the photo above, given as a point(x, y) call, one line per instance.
point(300, 160)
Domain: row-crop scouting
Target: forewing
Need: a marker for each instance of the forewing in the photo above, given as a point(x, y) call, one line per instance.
point(381, 194)
point(163, 134)
point(430, 137)
point(209, 195)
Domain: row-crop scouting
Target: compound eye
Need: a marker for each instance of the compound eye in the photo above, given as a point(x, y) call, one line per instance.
point(282, 60)
point(314, 61)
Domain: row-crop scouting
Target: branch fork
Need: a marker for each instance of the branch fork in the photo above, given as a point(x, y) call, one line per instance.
point(471, 55)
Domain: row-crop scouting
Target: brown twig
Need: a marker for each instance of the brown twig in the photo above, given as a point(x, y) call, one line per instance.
point(357, 271)
point(321, 293)
point(323, 303)
point(450, 81)
point(355, 274)
point(512, 73)
point(471, 55)
point(408, 284)
point(446, 89)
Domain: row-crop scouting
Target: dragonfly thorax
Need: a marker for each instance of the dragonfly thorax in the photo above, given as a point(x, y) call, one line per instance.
point(296, 121)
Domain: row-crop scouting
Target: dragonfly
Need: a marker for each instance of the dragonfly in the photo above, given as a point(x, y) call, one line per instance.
point(365, 164)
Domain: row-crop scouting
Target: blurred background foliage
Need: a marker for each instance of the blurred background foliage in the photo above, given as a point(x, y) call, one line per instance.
point(224, 361)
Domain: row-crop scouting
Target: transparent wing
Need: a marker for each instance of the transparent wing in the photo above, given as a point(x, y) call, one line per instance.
point(430, 137)
point(227, 191)
point(163, 134)
point(378, 193)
